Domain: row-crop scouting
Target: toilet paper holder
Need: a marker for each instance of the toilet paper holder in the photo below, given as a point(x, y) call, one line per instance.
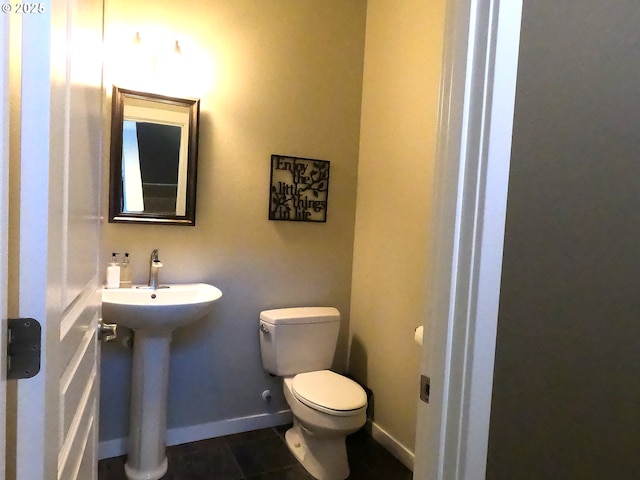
point(417, 335)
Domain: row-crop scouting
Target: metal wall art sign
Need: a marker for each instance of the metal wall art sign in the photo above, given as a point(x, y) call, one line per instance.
point(299, 189)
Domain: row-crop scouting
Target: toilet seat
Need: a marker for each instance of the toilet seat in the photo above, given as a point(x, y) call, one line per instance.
point(330, 393)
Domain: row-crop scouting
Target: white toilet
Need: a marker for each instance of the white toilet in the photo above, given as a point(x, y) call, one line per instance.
point(298, 344)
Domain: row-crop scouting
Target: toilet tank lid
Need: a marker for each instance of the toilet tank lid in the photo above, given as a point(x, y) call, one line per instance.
point(300, 315)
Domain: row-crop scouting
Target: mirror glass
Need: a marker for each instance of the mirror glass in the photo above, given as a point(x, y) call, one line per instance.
point(154, 153)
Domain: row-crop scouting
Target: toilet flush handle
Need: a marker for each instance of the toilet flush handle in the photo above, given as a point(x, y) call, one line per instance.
point(264, 329)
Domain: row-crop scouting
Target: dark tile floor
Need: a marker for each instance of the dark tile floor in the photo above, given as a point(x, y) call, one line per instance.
point(261, 455)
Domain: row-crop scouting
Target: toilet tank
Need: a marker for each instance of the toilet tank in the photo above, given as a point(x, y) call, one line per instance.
point(297, 340)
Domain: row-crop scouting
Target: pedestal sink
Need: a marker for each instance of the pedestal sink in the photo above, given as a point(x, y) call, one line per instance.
point(153, 314)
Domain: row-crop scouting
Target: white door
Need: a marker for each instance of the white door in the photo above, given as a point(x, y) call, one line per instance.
point(479, 78)
point(59, 129)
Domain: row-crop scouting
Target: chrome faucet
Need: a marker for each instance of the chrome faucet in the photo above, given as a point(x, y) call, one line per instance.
point(154, 265)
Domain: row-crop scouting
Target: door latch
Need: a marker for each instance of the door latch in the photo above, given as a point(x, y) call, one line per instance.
point(107, 331)
point(425, 387)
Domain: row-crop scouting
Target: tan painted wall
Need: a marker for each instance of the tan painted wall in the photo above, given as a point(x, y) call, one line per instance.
point(283, 76)
point(397, 150)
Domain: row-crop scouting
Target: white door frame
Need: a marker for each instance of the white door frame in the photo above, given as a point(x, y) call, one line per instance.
point(4, 224)
point(472, 169)
point(33, 204)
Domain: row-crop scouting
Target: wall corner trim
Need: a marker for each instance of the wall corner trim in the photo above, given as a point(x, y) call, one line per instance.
point(392, 445)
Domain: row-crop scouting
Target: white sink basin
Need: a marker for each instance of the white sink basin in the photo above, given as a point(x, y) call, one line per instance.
point(162, 309)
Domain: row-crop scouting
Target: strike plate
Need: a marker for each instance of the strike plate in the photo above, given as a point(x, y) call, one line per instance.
point(425, 387)
point(23, 348)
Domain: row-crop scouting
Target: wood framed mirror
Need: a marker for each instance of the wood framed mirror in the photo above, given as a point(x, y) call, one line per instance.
point(154, 157)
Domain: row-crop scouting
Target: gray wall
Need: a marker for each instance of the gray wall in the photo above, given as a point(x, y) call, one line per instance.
point(567, 379)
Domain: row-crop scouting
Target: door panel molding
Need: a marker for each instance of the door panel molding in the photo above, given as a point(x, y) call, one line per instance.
point(76, 380)
point(85, 303)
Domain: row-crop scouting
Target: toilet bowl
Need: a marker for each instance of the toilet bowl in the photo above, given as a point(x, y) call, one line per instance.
point(298, 344)
point(326, 408)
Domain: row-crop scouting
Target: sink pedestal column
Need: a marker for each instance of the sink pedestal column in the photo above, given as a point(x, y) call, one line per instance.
point(146, 458)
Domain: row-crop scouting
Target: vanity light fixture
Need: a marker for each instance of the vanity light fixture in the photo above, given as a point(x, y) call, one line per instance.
point(137, 41)
point(154, 61)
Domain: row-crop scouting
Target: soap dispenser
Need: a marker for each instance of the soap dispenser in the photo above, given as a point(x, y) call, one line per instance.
point(125, 272)
point(113, 272)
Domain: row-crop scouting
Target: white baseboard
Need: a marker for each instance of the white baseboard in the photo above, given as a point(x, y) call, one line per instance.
point(193, 433)
point(402, 453)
